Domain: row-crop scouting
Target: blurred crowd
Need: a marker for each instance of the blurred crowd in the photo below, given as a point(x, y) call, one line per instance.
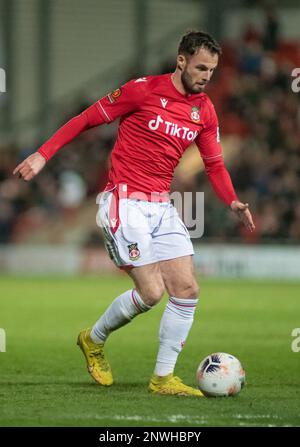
point(70, 179)
point(254, 100)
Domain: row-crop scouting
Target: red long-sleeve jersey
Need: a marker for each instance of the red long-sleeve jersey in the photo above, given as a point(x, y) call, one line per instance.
point(158, 123)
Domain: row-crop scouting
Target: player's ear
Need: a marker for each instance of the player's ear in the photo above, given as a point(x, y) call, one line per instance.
point(181, 61)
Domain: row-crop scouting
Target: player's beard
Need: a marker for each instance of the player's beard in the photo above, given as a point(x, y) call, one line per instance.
point(189, 85)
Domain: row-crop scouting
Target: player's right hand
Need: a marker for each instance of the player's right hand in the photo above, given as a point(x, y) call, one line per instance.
point(30, 167)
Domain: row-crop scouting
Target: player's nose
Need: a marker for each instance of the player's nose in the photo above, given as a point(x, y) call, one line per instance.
point(205, 78)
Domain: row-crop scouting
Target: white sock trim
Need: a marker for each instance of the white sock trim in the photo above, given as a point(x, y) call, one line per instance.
point(181, 306)
point(138, 301)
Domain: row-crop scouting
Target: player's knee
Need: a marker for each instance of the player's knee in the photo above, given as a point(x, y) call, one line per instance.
point(153, 294)
point(193, 290)
point(186, 289)
point(156, 294)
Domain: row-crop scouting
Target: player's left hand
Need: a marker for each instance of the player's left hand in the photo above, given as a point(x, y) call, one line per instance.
point(243, 213)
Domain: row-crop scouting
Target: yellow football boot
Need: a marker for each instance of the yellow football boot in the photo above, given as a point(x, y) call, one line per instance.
point(171, 385)
point(97, 365)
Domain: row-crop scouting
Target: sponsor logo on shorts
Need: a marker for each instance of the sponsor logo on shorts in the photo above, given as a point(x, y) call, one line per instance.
point(134, 252)
point(195, 115)
point(113, 96)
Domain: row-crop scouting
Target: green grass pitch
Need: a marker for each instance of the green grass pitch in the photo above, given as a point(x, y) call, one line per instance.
point(44, 382)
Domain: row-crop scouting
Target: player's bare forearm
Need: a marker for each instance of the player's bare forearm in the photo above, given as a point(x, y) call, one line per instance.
point(243, 213)
point(30, 167)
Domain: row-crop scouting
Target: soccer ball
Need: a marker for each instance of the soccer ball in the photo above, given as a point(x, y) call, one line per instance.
point(220, 374)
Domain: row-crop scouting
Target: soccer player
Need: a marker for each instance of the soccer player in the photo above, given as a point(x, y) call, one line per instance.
point(160, 117)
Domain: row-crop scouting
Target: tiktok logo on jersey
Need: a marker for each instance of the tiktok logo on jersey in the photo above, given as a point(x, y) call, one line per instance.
point(173, 129)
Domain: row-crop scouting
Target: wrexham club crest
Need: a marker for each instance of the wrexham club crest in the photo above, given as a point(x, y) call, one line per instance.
point(195, 114)
point(134, 252)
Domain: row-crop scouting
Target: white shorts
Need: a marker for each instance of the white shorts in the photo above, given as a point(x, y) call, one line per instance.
point(137, 232)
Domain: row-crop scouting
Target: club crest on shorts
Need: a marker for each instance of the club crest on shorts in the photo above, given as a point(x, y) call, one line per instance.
point(134, 252)
point(195, 114)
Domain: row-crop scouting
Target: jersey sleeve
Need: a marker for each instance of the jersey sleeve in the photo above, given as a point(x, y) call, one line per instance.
point(208, 142)
point(86, 120)
point(123, 100)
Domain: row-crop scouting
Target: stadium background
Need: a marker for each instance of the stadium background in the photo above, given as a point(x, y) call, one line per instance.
point(59, 57)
